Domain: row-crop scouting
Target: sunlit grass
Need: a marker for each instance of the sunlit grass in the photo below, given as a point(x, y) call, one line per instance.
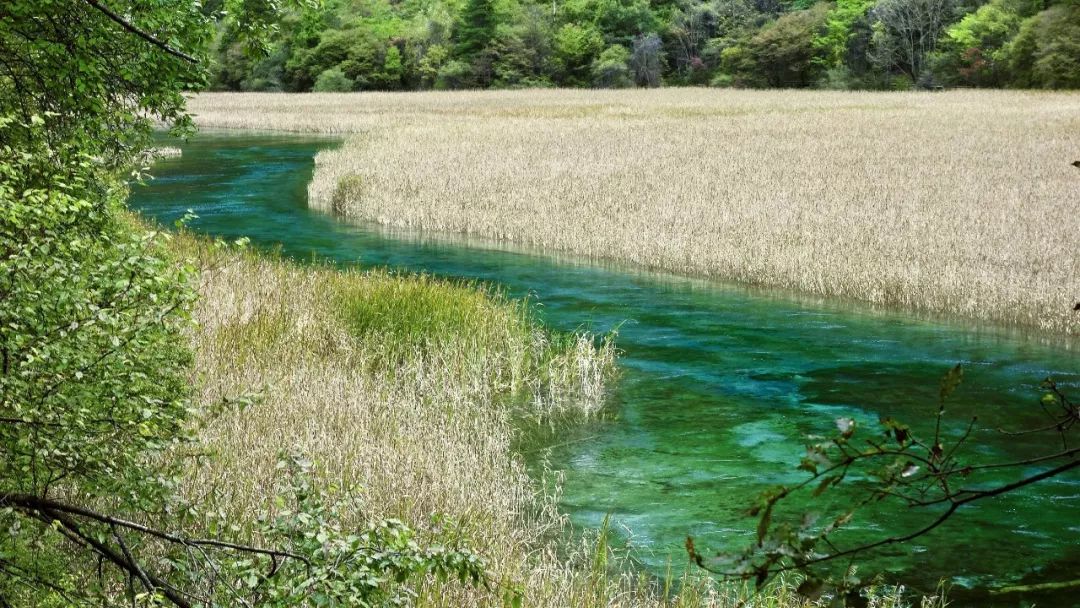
point(961, 202)
point(409, 393)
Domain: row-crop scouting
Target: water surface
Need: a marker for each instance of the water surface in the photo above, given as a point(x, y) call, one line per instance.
point(720, 384)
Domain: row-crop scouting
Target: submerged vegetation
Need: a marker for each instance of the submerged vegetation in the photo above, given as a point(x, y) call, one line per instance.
point(946, 203)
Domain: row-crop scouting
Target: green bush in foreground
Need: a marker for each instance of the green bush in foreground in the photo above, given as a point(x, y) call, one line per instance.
point(96, 409)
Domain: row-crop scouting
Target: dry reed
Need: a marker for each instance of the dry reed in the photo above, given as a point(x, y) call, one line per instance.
point(400, 389)
point(960, 202)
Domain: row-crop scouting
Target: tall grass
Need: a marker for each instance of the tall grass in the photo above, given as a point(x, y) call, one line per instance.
point(960, 202)
point(410, 392)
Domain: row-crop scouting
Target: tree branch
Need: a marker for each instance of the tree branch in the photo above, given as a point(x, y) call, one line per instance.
point(49, 515)
point(127, 25)
point(38, 504)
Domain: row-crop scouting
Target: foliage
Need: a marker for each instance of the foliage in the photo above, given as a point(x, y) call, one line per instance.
point(1046, 51)
point(832, 43)
point(323, 562)
point(332, 80)
point(576, 47)
point(477, 28)
point(611, 69)
point(974, 46)
point(924, 465)
point(95, 399)
point(513, 43)
point(93, 379)
point(781, 54)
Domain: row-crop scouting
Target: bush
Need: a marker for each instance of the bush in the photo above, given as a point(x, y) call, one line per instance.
point(723, 80)
point(611, 69)
point(838, 79)
point(332, 81)
point(454, 74)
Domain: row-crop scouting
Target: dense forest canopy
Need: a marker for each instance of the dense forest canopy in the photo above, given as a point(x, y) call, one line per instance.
point(357, 45)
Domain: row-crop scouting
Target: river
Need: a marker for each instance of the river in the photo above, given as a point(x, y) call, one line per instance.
point(720, 383)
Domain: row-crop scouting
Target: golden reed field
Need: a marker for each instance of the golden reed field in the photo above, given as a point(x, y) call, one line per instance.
point(960, 202)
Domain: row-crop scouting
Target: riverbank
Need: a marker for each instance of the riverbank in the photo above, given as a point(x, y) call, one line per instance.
point(946, 203)
point(409, 392)
point(254, 186)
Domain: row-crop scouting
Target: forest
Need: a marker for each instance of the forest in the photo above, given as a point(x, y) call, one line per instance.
point(358, 45)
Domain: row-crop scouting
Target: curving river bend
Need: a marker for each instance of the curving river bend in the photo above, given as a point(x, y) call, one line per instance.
point(720, 383)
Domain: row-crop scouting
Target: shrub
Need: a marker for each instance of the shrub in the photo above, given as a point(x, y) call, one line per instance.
point(333, 81)
point(454, 74)
point(610, 70)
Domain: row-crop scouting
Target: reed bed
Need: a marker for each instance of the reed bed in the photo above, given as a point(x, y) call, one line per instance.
point(961, 203)
point(410, 392)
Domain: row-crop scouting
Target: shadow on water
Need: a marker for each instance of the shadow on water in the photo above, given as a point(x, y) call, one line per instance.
point(720, 383)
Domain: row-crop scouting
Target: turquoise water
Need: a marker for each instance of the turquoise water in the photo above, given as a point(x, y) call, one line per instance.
point(720, 383)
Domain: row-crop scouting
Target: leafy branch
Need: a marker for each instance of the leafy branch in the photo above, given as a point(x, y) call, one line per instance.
point(901, 467)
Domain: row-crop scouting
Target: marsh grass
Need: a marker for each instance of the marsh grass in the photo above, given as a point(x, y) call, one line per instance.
point(409, 394)
point(959, 203)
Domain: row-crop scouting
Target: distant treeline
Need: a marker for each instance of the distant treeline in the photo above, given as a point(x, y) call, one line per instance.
point(356, 45)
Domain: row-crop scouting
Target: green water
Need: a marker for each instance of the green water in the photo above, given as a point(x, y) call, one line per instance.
point(720, 383)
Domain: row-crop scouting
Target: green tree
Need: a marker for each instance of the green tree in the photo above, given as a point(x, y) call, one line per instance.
point(393, 68)
point(831, 45)
point(94, 398)
point(619, 21)
point(611, 69)
point(576, 47)
point(782, 54)
point(1046, 51)
point(332, 80)
point(972, 51)
point(476, 28)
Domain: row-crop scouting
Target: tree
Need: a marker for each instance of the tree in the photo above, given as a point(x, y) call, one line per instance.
point(94, 398)
point(610, 70)
point(938, 471)
point(619, 21)
point(476, 28)
point(646, 60)
point(831, 46)
point(692, 24)
point(735, 21)
point(576, 47)
point(1046, 51)
point(783, 53)
point(906, 32)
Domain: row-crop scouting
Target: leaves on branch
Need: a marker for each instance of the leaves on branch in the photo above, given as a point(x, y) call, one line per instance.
point(896, 467)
